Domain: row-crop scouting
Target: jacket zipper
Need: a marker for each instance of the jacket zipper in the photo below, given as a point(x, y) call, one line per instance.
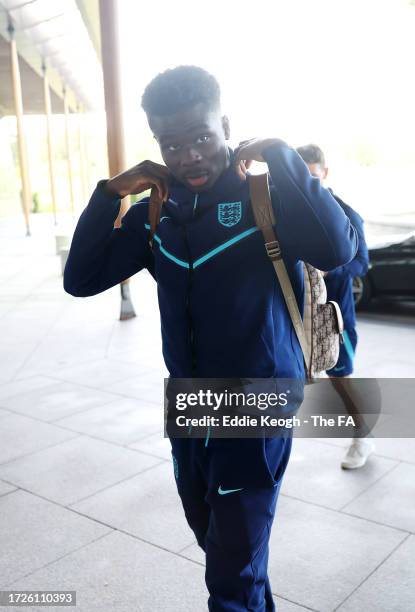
point(195, 203)
point(189, 314)
point(189, 288)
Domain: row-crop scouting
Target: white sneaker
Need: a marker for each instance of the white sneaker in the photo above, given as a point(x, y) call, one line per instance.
point(358, 453)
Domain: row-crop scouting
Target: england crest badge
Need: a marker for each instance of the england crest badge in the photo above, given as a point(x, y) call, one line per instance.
point(229, 213)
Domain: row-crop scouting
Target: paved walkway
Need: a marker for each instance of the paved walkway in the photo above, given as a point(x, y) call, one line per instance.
point(87, 494)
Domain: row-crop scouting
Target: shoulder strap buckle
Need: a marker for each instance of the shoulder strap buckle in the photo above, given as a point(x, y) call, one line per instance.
point(273, 250)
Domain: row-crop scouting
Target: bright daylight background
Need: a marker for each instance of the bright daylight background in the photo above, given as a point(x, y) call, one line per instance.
point(335, 72)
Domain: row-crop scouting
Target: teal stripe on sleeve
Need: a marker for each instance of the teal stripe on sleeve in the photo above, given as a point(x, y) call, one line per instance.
point(207, 436)
point(348, 345)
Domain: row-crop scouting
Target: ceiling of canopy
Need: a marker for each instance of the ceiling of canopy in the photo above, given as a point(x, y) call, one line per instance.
point(62, 35)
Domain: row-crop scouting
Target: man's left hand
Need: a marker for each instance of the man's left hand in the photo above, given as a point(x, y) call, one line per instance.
point(251, 150)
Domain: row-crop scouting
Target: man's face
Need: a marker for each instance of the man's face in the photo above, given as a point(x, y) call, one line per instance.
point(318, 171)
point(193, 145)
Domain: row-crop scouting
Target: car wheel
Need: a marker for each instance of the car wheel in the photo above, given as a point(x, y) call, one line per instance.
point(362, 291)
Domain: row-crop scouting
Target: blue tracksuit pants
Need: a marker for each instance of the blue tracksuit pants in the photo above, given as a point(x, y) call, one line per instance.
point(229, 490)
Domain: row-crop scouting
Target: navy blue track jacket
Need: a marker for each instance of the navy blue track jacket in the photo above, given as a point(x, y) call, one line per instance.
point(222, 310)
point(339, 282)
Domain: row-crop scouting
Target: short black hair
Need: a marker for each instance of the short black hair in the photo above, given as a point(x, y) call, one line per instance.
point(312, 154)
point(179, 89)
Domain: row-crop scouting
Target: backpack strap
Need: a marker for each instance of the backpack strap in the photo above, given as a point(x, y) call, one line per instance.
point(265, 220)
point(154, 212)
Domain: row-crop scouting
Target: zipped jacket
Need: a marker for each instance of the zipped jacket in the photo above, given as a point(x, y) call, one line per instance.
point(222, 310)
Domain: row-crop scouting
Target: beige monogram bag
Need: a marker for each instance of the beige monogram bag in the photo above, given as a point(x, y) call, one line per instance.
point(320, 331)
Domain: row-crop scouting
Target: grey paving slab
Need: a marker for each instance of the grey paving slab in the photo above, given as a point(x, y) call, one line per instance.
point(13, 357)
point(21, 435)
point(390, 501)
point(402, 449)
point(7, 302)
point(99, 373)
point(98, 314)
point(149, 387)
point(142, 356)
point(75, 469)
point(133, 335)
point(6, 488)
point(57, 400)
point(34, 532)
point(396, 426)
point(318, 556)
point(52, 355)
point(139, 338)
point(388, 366)
point(30, 324)
point(194, 552)
point(340, 442)
point(15, 387)
point(391, 587)
point(119, 573)
point(156, 445)
point(314, 474)
point(137, 353)
point(142, 334)
point(122, 421)
point(147, 506)
point(23, 330)
point(283, 605)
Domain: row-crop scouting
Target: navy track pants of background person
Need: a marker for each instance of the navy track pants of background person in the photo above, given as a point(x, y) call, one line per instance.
point(229, 490)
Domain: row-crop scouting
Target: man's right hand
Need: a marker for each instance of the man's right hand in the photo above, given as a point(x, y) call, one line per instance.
point(145, 175)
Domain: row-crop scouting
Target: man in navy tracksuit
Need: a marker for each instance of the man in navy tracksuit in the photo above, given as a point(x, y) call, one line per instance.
point(339, 283)
point(222, 310)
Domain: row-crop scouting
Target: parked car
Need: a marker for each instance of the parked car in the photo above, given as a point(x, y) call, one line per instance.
point(391, 270)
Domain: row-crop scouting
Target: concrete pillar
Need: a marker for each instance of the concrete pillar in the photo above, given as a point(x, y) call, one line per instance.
point(114, 111)
point(112, 85)
point(82, 160)
point(21, 140)
point(48, 113)
point(68, 152)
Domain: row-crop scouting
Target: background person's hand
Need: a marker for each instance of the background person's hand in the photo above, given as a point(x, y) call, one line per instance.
point(146, 175)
